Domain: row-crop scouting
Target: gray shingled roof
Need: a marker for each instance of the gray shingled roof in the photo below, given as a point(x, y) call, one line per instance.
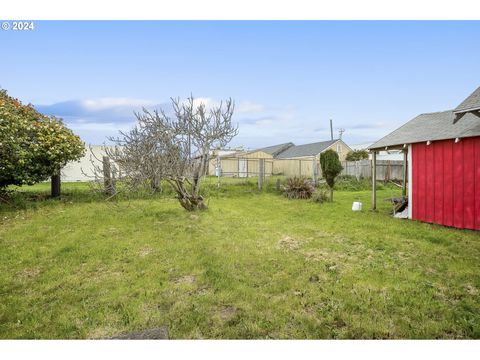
point(470, 103)
point(305, 150)
point(432, 126)
point(274, 150)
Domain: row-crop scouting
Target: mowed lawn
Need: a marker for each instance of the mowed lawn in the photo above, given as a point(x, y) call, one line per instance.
point(255, 265)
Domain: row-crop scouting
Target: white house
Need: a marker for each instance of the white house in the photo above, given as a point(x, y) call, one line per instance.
point(382, 155)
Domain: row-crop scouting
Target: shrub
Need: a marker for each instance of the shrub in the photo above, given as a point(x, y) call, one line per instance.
point(356, 155)
point(320, 196)
point(331, 168)
point(33, 147)
point(298, 188)
point(351, 183)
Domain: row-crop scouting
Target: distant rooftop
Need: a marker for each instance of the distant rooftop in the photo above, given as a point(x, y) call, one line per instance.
point(274, 150)
point(306, 149)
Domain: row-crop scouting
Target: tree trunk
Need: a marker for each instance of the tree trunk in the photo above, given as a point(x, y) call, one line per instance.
point(189, 201)
point(155, 184)
point(55, 188)
point(331, 194)
point(192, 203)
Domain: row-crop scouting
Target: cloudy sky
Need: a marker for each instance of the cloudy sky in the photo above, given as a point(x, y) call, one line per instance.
point(287, 78)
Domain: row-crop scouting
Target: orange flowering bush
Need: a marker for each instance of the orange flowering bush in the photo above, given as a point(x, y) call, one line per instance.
point(33, 146)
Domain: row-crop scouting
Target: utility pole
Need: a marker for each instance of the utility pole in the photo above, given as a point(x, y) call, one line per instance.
point(331, 130)
point(340, 133)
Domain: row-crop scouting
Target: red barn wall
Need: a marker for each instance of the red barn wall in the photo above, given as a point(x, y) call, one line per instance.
point(446, 182)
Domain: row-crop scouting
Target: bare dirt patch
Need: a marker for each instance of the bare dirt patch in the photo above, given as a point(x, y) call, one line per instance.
point(288, 243)
point(29, 273)
point(472, 290)
point(160, 333)
point(145, 251)
point(317, 255)
point(100, 333)
point(226, 312)
point(324, 255)
point(187, 279)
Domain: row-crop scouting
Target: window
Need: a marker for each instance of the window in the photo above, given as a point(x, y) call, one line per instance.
point(339, 149)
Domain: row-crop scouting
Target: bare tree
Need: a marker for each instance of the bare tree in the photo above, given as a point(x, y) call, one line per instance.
point(173, 148)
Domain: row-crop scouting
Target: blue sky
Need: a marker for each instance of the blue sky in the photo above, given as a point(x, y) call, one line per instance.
point(287, 78)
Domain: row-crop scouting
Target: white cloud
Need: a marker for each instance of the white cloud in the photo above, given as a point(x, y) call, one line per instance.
point(208, 102)
point(248, 107)
point(110, 102)
point(84, 125)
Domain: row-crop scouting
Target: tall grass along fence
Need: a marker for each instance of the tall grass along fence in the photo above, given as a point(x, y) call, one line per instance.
point(310, 168)
point(237, 167)
point(386, 169)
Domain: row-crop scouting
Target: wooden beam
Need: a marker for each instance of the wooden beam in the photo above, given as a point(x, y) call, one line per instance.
point(389, 148)
point(261, 173)
point(374, 180)
point(405, 172)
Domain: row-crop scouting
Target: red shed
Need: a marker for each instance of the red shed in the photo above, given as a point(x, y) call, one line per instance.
point(443, 152)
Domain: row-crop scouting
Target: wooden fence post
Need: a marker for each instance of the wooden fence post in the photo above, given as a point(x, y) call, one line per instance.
point(55, 185)
point(405, 173)
point(374, 180)
point(218, 169)
point(261, 173)
point(314, 170)
point(387, 172)
point(107, 177)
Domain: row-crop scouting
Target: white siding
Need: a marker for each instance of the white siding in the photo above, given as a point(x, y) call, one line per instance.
point(73, 170)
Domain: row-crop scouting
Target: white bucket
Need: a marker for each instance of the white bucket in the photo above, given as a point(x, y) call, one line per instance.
point(357, 206)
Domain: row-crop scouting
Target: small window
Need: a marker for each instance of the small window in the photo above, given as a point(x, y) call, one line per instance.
point(339, 148)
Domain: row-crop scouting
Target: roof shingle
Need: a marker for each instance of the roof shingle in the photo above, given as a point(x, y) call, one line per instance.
point(431, 126)
point(470, 103)
point(274, 150)
point(305, 150)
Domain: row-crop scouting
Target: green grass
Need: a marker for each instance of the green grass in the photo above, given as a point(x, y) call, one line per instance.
point(255, 265)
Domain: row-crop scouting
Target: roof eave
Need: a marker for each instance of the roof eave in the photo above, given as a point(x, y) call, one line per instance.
point(388, 147)
point(460, 114)
point(460, 111)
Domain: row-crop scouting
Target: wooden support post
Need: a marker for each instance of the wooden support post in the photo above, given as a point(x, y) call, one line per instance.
point(107, 177)
point(55, 185)
point(314, 172)
point(261, 173)
point(218, 170)
point(405, 172)
point(374, 180)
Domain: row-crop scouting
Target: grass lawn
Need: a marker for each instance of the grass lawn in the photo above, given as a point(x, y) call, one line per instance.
point(255, 265)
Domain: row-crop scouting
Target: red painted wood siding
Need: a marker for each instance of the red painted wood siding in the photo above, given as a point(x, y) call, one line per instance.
point(446, 182)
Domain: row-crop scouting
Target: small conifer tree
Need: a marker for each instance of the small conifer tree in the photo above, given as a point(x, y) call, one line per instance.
point(331, 168)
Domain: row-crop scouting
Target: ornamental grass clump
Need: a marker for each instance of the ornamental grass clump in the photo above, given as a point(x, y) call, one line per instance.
point(298, 188)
